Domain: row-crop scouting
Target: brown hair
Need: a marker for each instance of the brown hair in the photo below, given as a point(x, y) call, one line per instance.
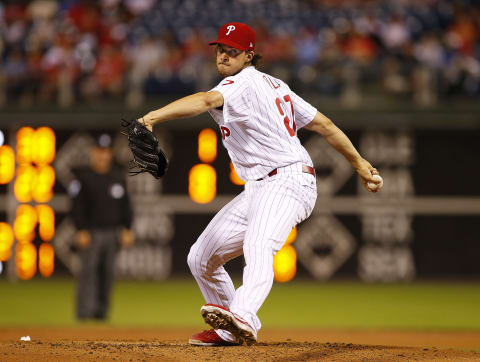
point(256, 58)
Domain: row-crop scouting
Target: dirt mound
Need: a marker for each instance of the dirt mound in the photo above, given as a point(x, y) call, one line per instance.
point(106, 343)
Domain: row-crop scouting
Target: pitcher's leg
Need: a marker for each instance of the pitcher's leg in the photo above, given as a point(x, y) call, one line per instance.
point(277, 209)
point(220, 242)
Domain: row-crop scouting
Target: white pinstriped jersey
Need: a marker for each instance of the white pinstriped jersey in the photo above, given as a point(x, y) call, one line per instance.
point(259, 122)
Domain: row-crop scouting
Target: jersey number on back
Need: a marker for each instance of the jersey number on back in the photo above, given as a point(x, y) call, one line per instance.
point(286, 120)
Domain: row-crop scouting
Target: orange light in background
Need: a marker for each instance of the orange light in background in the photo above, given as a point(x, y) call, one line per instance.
point(25, 145)
point(43, 146)
point(32, 182)
point(26, 260)
point(24, 224)
point(42, 189)
point(234, 177)
point(46, 222)
point(6, 241)
point(202, 183)
point(285, 264)
point(25, 182)
point(207, 145)
point(292, 236)
point(7, 164)
point(46, 258)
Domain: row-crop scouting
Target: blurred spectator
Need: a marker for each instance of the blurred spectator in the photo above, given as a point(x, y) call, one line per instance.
point(465, 33)
point(70, 51)
point(359, 47)
point(394, 34)
point(15, 72)
point(102, 214)
point(148, 58)
point(108, 74)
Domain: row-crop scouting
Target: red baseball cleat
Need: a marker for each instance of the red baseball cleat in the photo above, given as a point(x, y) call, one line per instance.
point(221, 318)
point(209, 338)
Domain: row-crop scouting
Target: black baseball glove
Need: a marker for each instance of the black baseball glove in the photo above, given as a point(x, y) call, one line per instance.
point(147, 155)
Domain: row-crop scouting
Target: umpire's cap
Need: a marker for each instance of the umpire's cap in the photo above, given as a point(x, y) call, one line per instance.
point(103, 140)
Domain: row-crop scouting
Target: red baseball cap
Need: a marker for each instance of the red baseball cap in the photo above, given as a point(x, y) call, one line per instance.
point(236, 35)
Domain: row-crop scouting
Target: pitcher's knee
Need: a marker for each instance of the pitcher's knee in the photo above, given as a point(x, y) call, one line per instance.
point(192, 260)
point(195, 262)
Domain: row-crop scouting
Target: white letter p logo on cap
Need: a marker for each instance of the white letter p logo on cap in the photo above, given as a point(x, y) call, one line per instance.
point(230, 29)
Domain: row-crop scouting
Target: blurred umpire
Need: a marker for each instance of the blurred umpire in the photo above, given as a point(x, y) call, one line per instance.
point(103, 216)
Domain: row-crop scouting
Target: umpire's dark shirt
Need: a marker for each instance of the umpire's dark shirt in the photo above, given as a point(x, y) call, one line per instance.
point(100, 200)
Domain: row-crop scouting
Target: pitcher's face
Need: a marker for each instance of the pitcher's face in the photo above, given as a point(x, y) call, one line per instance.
point(230, 60)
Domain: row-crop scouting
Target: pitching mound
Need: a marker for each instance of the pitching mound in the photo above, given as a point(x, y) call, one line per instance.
point(120, 344)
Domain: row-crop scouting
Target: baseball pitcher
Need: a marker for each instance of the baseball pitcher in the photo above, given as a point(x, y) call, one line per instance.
point(258, 116)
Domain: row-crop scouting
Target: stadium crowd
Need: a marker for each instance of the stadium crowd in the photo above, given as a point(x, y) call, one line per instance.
point(68, 51)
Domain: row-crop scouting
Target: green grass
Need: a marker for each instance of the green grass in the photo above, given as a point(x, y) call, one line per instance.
point(299, 304)
point(355, 305)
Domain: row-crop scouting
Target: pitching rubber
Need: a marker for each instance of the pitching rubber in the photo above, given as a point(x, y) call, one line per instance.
point(220, 318)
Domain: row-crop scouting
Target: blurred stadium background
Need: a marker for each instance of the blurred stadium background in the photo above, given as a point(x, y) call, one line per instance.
point(401, 77)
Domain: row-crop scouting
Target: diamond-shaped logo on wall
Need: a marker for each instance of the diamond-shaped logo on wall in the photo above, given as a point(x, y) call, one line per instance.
point(323, 245)
point(63, 241)
point(74, 153)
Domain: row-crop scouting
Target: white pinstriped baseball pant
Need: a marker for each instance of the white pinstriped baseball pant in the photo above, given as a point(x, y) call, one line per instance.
point(256, 223)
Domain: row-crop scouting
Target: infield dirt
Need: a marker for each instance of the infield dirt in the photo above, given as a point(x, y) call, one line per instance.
point(150, 344)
